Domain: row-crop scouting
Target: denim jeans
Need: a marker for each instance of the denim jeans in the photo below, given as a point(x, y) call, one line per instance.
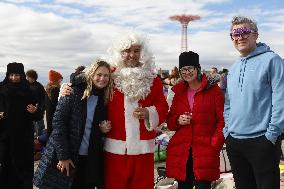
point(39, 127)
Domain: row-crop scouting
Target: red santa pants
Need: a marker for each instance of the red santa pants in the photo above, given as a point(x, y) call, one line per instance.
point(129, 171)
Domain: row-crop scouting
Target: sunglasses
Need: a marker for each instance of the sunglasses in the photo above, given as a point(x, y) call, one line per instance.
point(241, 32)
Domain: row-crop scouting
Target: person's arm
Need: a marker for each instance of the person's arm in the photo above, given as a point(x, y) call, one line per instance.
point(42, 95)
point(54, 94)
point(276, 125)
point(35, 113)
point(226, 114)
point(159, 110)
point(60, 127)
point(217, 140)
point(2, 107)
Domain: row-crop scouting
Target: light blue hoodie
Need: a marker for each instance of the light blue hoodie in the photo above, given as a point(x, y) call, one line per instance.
point(254, 101)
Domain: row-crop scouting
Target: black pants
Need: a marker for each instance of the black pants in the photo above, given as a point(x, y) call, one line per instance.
point(254, 162)
point(80, 178)
point(190, 180)
point(12, 177)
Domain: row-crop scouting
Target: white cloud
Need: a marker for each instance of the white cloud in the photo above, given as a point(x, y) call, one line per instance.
point(22, 1)
point(66, 33)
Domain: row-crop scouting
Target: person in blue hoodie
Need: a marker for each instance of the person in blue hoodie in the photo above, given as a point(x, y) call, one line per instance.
point(254, 109)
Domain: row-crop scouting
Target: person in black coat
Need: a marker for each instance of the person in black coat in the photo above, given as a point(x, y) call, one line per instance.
point(73, 158)
point(37, 87)
point(19, 105)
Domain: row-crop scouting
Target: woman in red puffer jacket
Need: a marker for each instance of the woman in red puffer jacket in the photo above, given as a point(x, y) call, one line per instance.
point(196, 115)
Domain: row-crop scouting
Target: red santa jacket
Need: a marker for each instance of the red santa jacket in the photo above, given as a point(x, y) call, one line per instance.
point(129, 135)
point(203, 135)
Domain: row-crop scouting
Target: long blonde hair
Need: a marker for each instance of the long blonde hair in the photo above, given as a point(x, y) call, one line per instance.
point(89, 79)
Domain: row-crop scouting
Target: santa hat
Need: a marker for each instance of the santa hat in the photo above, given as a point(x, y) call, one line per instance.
point(189, 59)
point(54, 76)
point(15, 68)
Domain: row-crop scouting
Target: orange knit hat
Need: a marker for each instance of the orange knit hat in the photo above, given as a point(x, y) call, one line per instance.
point(54, 76)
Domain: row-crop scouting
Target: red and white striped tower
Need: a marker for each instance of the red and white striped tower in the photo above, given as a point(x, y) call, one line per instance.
point(184, 19)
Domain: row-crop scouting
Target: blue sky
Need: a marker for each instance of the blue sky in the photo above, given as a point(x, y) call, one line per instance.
point(62, 34)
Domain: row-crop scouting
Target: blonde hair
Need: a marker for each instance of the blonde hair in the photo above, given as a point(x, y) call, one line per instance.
point(89, 79)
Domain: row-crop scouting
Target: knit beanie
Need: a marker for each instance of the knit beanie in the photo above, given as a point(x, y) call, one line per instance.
point(15, 68)
point(80, 68)
point(54, 76)
point(189, 59)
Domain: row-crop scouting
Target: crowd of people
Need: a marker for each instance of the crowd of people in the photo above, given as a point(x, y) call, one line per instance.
point(100, 130)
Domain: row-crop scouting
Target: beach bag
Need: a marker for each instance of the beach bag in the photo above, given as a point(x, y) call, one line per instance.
point(161, 143)
point(225, 165)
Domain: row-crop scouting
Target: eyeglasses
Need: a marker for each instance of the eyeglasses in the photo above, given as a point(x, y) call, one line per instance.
point(241, 32)
point(187, 69)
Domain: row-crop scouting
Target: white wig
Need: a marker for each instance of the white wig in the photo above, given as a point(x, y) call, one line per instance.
point(125, 42)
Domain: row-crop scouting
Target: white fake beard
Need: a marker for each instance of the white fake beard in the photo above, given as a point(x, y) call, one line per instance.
point(135, 83)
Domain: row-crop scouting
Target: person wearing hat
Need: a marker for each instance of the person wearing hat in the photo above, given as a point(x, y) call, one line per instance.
point(16, 129)
point(196, 115)
point(78, 71)
point(52, 90)
point(138, 107)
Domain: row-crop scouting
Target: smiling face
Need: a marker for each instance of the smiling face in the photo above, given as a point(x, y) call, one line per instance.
point(15, 78)
point(131, 56)
point(189, 73)
point(243, 40)
point(101, 77)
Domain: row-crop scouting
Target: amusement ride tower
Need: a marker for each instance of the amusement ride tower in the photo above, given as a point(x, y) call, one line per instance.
point(184, 19)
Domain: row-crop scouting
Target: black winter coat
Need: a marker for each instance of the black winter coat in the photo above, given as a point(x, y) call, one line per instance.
point(64, 143)
point(50, 104)
point(17, 134)
point(40, 94)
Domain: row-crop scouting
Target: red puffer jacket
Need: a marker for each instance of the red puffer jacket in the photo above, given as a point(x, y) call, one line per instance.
point(203, 134)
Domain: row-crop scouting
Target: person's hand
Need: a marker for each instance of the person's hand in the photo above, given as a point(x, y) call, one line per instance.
point(66, 89)
point(1, 115)
point(105, 126)
point(141, 113)
point(31, 108)
point(65, 165)
point(184, 119)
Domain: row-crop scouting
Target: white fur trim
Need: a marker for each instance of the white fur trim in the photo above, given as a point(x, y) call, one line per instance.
point(153, 119)
point(133, 145)
point(119, 147)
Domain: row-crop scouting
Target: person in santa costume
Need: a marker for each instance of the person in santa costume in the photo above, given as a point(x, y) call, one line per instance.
point(137, 108)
